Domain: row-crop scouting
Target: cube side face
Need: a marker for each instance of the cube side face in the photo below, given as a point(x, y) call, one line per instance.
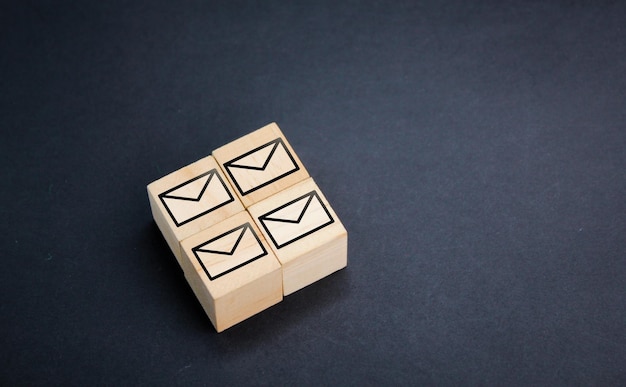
point(260, 164)
point(305, 233)
point(204, 297)
point(191, 199)
point(248, 300)
point(233, 271)
point(315, 264)
point(170, 237)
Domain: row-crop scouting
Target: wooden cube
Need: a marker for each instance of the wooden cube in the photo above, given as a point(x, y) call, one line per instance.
point(191, 199)
point(260, 164)
point(232, 271)
point(304, 232)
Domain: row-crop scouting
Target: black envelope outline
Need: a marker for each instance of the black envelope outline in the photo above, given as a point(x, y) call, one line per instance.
point(243, 227)
point(310, 196)
point(233, 164)
point(213, 173)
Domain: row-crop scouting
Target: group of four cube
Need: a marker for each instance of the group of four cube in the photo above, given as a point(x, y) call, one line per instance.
point(247, 226)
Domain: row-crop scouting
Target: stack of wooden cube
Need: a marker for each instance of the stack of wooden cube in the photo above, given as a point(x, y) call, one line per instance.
point(248, 225)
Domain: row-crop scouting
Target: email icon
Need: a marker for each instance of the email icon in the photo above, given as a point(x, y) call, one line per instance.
point(229, 251)
point(196, 197)
point(296, 219)
point(261, 166)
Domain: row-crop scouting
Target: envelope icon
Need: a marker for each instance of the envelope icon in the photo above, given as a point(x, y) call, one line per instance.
point(229, 251)
point(261, 166)
point(295, 220)
point(196, 197)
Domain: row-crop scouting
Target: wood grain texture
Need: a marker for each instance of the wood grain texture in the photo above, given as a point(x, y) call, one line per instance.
point(260, 164)
point(305, 233)
point(232, 270)
point(191, 199)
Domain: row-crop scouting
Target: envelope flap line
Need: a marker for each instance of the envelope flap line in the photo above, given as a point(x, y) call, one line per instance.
point(310, 195)
point(233, 163)
point(243, 228)
point(195, 199)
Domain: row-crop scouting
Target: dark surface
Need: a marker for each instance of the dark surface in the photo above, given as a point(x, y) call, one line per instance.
point(476, 153)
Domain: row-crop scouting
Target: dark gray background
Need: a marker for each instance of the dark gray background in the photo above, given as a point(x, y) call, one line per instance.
point(475, 151)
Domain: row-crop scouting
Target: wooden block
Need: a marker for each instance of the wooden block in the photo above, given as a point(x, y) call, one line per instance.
point(260, 164)
point(232, 270)
point(191, 199)
point(304, 232)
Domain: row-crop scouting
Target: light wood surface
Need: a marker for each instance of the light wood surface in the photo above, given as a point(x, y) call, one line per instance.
point(191, 199)
point(232, 270)
point(260, 164)
point(240, 262)
point(304, 232)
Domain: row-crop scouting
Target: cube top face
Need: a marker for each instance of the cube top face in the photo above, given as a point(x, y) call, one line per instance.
point(196, 197)
point(228, 255)
point(260, 164)
point(297, 220)
point(191, 199)
point(229, 251)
